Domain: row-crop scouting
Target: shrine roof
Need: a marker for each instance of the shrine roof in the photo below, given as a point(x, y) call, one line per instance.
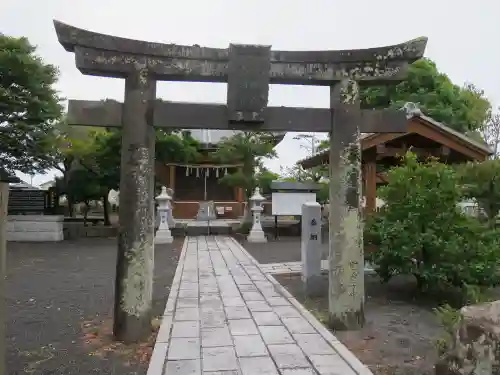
point(294, 186)
point(474, 149)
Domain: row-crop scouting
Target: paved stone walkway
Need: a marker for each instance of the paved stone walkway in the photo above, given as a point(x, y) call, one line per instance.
point(295, 268)
point(226, 316)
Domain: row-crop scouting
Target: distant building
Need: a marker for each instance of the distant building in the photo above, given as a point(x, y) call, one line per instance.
point(48, 184)
point(22, 185)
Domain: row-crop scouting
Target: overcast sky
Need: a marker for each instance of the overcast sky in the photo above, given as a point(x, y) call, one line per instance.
point(463, 39)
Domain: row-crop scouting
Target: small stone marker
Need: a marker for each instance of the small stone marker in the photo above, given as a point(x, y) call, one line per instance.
point(163, 235)
point(311, 248)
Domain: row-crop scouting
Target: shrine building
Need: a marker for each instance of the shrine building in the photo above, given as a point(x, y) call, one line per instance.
point(425, 137)
point(194, 183)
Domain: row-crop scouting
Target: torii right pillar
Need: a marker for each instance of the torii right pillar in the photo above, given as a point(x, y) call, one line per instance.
point(346, 258)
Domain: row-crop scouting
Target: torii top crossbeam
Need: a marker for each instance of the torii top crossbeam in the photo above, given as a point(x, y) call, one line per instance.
point(111, 56)
point(248, 71)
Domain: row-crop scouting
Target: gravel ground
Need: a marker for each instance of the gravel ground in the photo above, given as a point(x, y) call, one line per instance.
point(399, 335)
point(400, 332)
point(285, 249)
point(56, 291)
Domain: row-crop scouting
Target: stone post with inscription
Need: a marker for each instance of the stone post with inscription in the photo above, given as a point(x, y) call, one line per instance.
point(134, 269)
point(346, 258)
point(311, 249)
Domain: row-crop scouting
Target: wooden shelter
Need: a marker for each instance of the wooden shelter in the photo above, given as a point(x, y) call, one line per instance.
point(425, 137)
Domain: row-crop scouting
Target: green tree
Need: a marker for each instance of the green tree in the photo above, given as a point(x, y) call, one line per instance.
point(309, 142)
point(71, 144)
point(482, 183)
point(323, 195)
point(421, 231)
point(317, 175)
point(176, 147)
point(323, 145)
point(99, 152)
point(264, 178)
point(463, 108)
point(82, 186)
point(299, 174)
point(491, 133)
point(104, 165)
point(248, 148)
point(29, 107)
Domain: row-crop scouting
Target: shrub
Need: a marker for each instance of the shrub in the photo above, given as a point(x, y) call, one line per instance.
point(421, 230)
point(244, 228)
point(482, 182)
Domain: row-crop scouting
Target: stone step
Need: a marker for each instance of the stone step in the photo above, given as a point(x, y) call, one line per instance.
point(200, 228)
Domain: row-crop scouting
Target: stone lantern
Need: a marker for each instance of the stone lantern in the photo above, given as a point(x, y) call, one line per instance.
point(170, 217)
point(256, 233)
point(163, 234)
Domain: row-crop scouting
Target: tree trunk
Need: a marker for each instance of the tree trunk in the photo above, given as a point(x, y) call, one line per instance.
point(66, 173)
point(247, 214)
point(105, 204)
point(86, 213)
point(70, 206)
point(420, 282)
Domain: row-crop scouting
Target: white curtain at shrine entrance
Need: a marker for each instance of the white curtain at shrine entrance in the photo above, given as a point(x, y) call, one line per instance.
point(204, 171)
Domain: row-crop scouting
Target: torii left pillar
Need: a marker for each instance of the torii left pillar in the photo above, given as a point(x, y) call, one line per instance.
point(5, 179)
point(134, 269)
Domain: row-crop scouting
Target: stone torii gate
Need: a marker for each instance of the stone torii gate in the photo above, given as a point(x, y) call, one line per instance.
point(248, 71)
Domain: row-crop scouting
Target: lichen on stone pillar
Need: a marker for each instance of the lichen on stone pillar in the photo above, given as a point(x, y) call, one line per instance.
point(346, 278)
point(134, 273)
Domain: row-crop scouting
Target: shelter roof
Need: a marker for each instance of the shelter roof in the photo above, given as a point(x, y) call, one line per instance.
point(424, 126)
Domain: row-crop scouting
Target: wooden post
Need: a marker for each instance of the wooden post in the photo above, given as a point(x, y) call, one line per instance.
point(171, 179)
point(240, 195)
point(4, 199)
point(5, 179)
point(346, 278)
point(370, 171)
point(134, 269)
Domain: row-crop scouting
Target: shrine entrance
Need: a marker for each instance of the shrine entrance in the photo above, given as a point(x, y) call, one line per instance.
point(196, 183)
point(248, 71)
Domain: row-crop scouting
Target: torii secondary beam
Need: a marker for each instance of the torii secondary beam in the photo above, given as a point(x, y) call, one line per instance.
point(111, 56)
point(108, 113)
